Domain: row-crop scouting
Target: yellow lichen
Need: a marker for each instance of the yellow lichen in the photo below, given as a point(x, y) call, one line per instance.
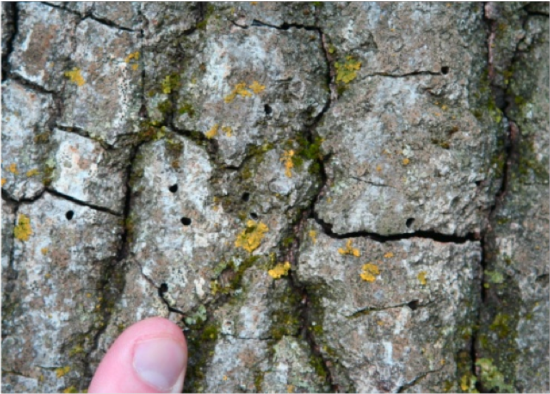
point(313, 236)
point(289, 164)
point(370, 272)
point(279, 270)
point(349, 250)
point(289, 388)
point(48, 275)
point(378, 168)
point(224, 378)
point(13, 168)
point(132, 56)
point(422, 278)
point(251, 237)
point(70, 389)
point(32, 172)
point(239, 89)
point(44, 251)
point(227, 130)
point(75, 76)
point(406, 161)
point(347, 72)
point(212, 132)
point(257, 87)
point(135, 66)
point(4, 180)
point(60, 372)
point(388, 255)
point(23, 229)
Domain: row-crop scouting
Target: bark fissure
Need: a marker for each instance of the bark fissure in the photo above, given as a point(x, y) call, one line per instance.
point(504, 102)
point(9, 44)
point(82, 203)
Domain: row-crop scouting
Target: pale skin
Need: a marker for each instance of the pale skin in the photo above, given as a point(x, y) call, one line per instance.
point(148, 357)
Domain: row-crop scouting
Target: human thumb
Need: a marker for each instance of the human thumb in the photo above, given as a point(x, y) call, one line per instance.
point(148, 357)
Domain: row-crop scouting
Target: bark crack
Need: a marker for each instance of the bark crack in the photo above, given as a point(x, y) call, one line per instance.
point(14, 11)
point(82, 203)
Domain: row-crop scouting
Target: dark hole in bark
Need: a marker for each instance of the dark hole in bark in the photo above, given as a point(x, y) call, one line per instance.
point(478, 183)
point(245, 197)
point(413, 305)
point(444, 70)
point(69, 215)
point(185, 221)
point(409, 222)
point(173, 188)
point(163, 289)
point(268, 110)
point(253, 215)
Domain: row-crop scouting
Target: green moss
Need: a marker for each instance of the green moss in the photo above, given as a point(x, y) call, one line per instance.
point(42, 138)
point(48, 173)
point(492, 378)
point(187, 108)
point(319, 367)
point(210, 9)
point(501, 325)
point(165, 107)
point(201, 341)
point(258, 380)
point(170, 83)
point(210, 332)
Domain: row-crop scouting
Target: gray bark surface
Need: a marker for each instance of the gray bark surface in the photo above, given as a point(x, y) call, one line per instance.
point(325, 197)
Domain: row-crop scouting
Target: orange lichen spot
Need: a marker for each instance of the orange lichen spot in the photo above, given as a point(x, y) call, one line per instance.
point(13, 168)
point(289, 388)
point(32, 172)
point(251, 237)
point(388, 255)
point(23, 230)
point(132, 56)
point(135, 66)
point(44, 251)
point(4, 180)
point(60, 372)
point(406, 161)
point(313, 236)
point(224, 378)
point(227, 130)
point(75, 76)
point(88, 295)
point(70, 389)
point(370, 272)
point(279, 270)
point(239, 89)
point(48, 276)
point(380, 322)
point(378, 168)
point(289, 164)
point(349, 250)
point(257, 87)
point(212, 132)
point(444, 107)
point(422, 278)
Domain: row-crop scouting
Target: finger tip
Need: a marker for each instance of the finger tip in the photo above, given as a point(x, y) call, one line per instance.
point(116, 372)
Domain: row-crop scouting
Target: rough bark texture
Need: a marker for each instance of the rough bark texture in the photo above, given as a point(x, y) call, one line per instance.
point(324, 196)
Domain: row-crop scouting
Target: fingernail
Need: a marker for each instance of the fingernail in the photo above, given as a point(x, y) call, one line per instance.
point(160, 363)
